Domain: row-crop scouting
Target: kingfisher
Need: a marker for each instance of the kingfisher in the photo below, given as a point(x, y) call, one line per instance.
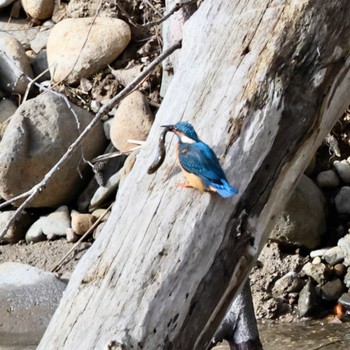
point(198, 162)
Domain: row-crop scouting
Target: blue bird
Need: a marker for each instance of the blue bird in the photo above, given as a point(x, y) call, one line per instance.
point(199, 162)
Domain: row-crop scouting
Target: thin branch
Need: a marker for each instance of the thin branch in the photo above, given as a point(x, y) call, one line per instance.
point(94, 225)
point(103, 111)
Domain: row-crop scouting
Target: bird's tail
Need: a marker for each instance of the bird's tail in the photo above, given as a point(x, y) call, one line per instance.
point(225, 190)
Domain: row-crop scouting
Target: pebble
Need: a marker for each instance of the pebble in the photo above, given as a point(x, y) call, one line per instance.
point(18, 229)
point(128, 165)
point(57, 223)
point(343, 169)
point(332, 290)
point(345, 300)
point(318, 272)
point(308, 300)
point(342, 200)
point(98, 230)
point(35, 232)
point(344, 244)
point(72, 237)
point(347, 278)
point(81, 222)
point(291, 282)
point(72, 55)
point(39, 9)
point(316, 260)
point(4, 3)
point(334, 255)
point(318, 252)
point(328, 179)
point(99, 212)
point(14, 65)
point(339, 270)
point(7, 108)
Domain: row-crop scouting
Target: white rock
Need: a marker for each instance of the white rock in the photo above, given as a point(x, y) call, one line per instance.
point(29, 297)
point(343, 169)
point(342, 200)
point(327, 179)
point(57, 223)
point(74, 51)
point(38, 9)
point(14, 65)
point(35, 232)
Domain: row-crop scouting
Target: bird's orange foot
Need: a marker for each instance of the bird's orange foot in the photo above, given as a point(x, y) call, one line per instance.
point(183, 185)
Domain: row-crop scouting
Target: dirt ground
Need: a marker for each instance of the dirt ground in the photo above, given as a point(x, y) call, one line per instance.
point(44, 255)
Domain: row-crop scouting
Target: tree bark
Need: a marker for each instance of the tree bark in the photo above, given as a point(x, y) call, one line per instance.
point(262, 82)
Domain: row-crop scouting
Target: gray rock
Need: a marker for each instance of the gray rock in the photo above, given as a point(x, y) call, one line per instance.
point(35, 232)
point(4, 3)
point(69, 62)
point(106, 191)
point(343, 169)
point(7, 108)
point(71, 235)
point(29, 297)
point(40, 66)
point(37, 136)
point(39, 9)
point(344, 244)
point(334, 255)
point(342, 200)
point(14, 65)
point(40, 41)
point(318, 272)
point(327, 179)
point(17, 230)
point(332, 290)
point(303, 220)
point(345, 300)
point(290, 282)
point(107, 128)
point(57, 223)
point(308, 301)
point(132, 121)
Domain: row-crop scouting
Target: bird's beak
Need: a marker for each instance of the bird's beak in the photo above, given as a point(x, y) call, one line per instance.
point(169, 127)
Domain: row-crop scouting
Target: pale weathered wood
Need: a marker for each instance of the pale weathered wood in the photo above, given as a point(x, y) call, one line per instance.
point(263, 82)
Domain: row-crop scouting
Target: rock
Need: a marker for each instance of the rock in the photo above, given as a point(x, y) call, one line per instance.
point(343, 169)
point(35, 232)
point(57, 223)
point(38, 9)
point(132, 121)
point(107, 128)
point(345, 300)
point(40, 41)
point(17, 231)
point(128, 165)
point(290, 282)
point(318, 272)
point(37, 136)
point(342, 200)
point(316, 260)
point(332, 290)
point(29, 297)
point(99, 212)
point(328, 179)
point(339, 270)
point(318, 252)
point(344, 244)
point(334, 255)
point(105, 192)
point(77, 8)
point(303, 220)
point(81, 223)
point(14, 65)
point(4, 3)
point(7, 108)
point(74, 51)
point(347, 278)
point(40, 66)
point(308, 301)
point(72, 237)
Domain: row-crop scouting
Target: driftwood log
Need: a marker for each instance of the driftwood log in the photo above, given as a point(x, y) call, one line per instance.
point(263, 82)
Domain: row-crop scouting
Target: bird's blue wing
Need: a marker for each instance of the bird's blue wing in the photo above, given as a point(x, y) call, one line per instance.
point(199, 159)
